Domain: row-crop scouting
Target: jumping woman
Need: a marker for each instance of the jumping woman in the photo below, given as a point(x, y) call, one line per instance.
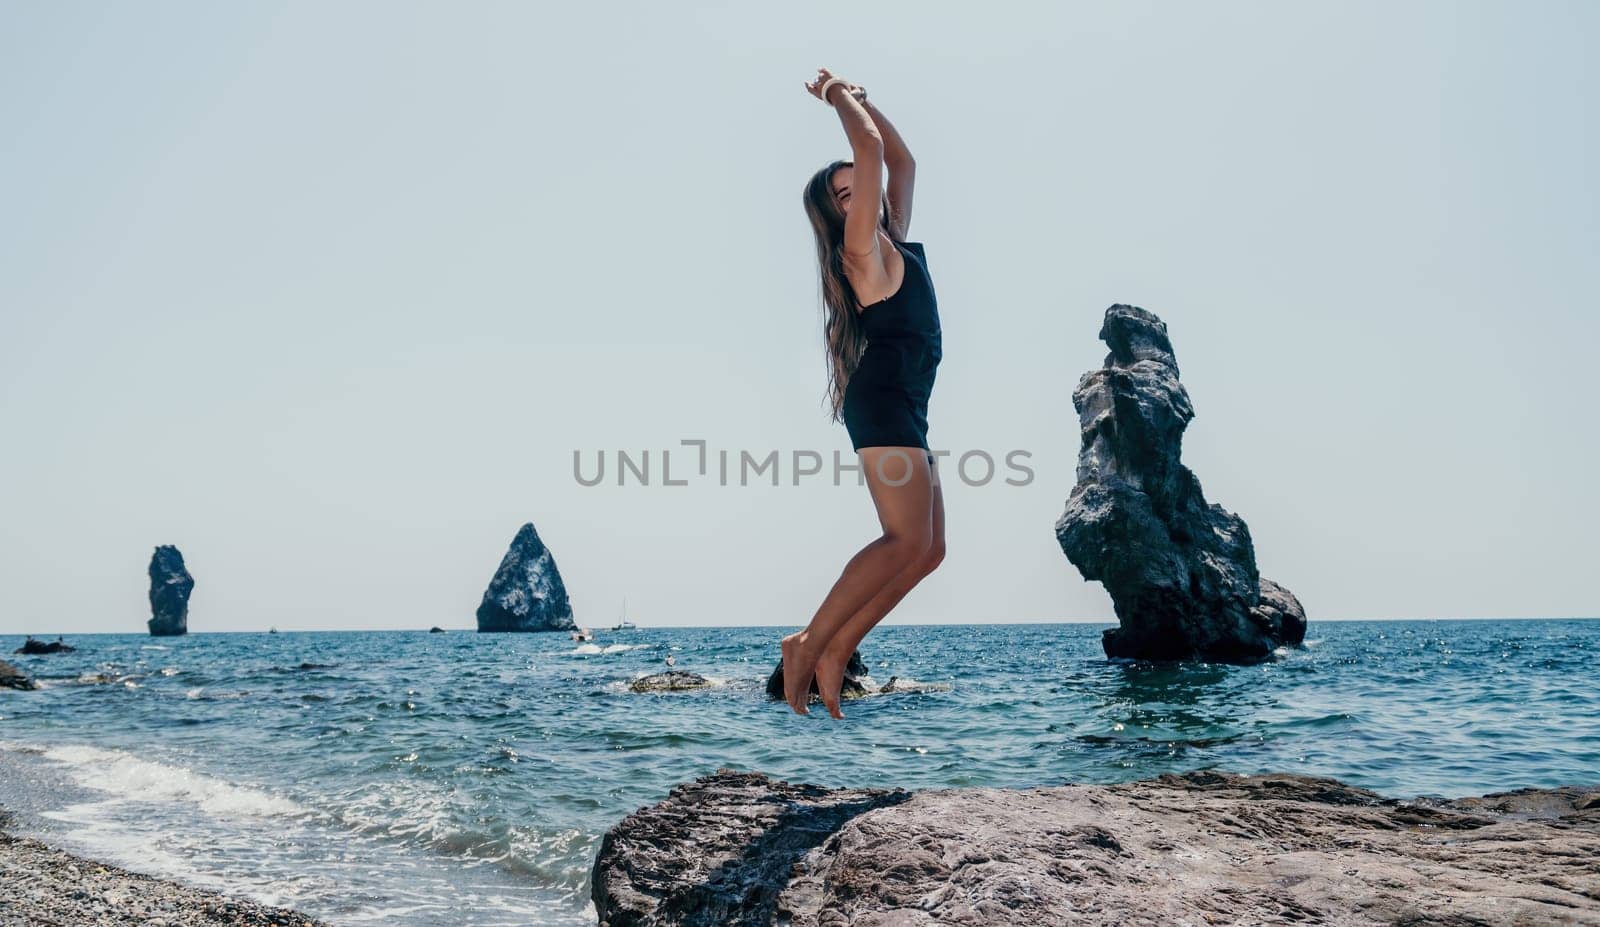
point(881, 329)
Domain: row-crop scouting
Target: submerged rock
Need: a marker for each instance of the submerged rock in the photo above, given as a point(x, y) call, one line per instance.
point(744, 850)
point(670, 681)
point(526, 593)
point(1181, 572)
point(855, 679)
point(170, 586)
point(35, 647)
point(13, 678)
point(896, 684)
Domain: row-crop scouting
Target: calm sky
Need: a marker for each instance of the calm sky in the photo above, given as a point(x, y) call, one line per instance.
point(329, 295)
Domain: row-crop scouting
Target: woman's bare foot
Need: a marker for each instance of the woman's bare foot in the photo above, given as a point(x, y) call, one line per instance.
point(830, 679)
point(797, 672)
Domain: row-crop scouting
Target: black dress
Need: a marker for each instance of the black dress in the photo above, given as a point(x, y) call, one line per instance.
point(886, 400)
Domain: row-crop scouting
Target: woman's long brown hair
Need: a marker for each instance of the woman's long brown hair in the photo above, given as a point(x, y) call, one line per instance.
point(842, 334)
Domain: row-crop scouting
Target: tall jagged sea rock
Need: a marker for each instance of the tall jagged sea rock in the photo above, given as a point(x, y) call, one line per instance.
point(526, 593)
point(1181, 572)
point(170, 586)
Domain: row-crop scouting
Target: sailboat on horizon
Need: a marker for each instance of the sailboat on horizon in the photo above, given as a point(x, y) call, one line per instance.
point(623, 624)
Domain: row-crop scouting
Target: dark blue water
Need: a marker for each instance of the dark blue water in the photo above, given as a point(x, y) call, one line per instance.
point(408, 778)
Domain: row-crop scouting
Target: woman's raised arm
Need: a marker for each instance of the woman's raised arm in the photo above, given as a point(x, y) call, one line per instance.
point(866, 146)
point(902, 171)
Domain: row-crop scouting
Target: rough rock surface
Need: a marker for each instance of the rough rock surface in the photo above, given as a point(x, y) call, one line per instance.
point(718, 850)
point(670, 681)
point(35, 647)
point(526, 593)
point(170, 586)
point(855, 679)
point(13, 678)
point(1200, 848)
point(40, 885)
point(1181, 572)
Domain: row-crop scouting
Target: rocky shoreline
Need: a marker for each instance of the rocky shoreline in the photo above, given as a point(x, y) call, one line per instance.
point(42, 886)
point(1202, 848)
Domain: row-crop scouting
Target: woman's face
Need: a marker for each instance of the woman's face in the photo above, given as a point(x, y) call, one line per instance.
point(841, 180)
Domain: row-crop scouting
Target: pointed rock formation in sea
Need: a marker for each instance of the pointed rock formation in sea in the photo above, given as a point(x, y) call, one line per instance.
point(526, 593)
point(1181, 572)
point(170, 585)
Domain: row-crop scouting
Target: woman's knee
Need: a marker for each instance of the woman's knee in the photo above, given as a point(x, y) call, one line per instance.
point(909, 547)
point(933, 556)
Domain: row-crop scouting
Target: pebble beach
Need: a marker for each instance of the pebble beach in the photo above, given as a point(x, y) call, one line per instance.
point(42, 886)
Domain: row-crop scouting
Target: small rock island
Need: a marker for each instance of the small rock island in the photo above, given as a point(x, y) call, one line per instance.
point(854, 686)
point(669, 681)
point(1181, 572)
point(170, 586)
point(526, 593)
point(35, 647)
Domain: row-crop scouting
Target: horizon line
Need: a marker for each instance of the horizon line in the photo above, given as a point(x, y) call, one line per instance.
point(912, 624)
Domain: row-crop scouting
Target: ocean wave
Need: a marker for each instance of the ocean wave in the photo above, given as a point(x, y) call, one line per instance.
point(128, 778)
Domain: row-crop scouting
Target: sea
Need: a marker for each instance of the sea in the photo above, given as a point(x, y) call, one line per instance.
point(459, 778)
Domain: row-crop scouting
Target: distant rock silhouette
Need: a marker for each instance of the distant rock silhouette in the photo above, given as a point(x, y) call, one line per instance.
point(34, 647)
point(170, 586)
point(1181, 572)
point(526, 593)
point(436, 630)
point(13, 678)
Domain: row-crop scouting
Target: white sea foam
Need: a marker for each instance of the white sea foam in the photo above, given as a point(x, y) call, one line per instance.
point(903, 684)
point(593, 649)
point(165, 819)
point(128, 778)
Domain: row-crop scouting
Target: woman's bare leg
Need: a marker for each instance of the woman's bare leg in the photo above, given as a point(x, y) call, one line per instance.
point(836, 652)
point(903, 501)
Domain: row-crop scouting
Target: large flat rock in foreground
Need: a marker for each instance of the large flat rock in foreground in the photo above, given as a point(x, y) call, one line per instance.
point(1195, 849)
